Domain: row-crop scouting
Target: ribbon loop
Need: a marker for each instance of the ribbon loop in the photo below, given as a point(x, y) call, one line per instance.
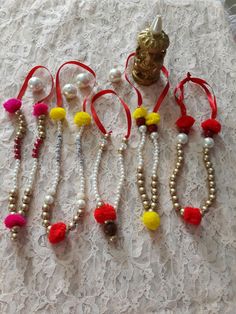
point(210, 96)
point(28, 77)
point(139, 95)
point(58, 88)
point(98, 121)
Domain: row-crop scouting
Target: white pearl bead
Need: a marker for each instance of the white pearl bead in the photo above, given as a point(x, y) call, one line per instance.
point(142, 129)
point(182, 138)
point(70, 91)
point(83, 80)
point(49, 199)
point(35, 84)
point(208, 142)
point(115, 75)
point(154, 135)
point(81, 203)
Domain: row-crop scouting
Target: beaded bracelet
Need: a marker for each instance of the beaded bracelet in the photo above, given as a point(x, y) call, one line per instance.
point(106, 214)
point(147, 122)
point(210, 128)
point(57, 231)
point(17, 217)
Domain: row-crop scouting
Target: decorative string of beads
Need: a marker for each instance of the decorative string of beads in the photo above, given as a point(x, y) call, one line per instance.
point(210, 127)
point(147, 122)
point(17, 216)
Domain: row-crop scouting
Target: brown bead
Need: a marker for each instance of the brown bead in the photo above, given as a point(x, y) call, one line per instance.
point(110, 228)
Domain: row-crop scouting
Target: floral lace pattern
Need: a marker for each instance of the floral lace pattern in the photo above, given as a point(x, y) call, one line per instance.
point(179, 269)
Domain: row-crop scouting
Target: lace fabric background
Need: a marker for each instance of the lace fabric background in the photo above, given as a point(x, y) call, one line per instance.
point(180, 269)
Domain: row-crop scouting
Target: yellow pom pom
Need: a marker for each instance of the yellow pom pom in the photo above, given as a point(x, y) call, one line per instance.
point(140, 112)
point(152, 118)
point(151, 220)
point(82, 118)
point(57, 113)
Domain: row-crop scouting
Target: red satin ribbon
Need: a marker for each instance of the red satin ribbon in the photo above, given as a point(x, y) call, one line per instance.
point(210, 96)
point(139, 95)
point(28, 77)
point(58, 88)
point(98, 121)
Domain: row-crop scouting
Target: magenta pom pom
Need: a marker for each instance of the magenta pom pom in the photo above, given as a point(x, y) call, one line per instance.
point(13, 220)
point(40, 109)
point(12, 105)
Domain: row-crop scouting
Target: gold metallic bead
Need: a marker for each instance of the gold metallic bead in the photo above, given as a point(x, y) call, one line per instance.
point(154, 206)
point(179, 146)
point(154, 184)
point(210, 177)
point(21, 212)
point(206, 158)
point(26, 199)
point(42, 134)
point(113, 239)
point(181, 211)
point(42, 117)
point(146, 204)
point(12, 199)
point(141, 190)
point(180, 152)
point(76, 218)
point(212, 190)
point(120, 150)
point(46, 207)
point(46, 223)
point(41, 128)
point(125, 140)
point(178, 165)
point(208, 164)
point(172, 184)
point(144, 197)
point(99, 204)
point(204, 208)
point(174, 198)
point(212, 184)
point(212, 197)
point(172, 191)
point(154, 177)
point(140, 169)
point(140, 176)
point(25, 207)
point(180, 159)
point(208, 202)
point(176, 205)
point(12, 207)
point(13, 192)
point(210, 170)
point(206, 150)
point(173, 177)
point(176, 171)
point(140, 182)
point(14, 236)
point(154, 191)
point(28, 192)
point(22, 129)
point(154, 198)
point(45, 215)
point(48, 229)
point(15, 229)
point(71, 226)
point(80, 212)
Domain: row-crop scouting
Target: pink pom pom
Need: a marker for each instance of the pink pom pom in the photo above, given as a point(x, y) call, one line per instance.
point(13, 220)
point(12, 105)
point(40, 109)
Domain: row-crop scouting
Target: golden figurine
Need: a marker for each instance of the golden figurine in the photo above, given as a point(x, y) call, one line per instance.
point(150, 53)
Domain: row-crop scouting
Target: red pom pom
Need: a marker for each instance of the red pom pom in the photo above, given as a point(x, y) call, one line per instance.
point(57, 233)
point(140, 121)
point(185, 122)
point(152, 128)
point(211, 125)
point(104, 213)
point(12, 105)
point(192, 215)
point(40, 109)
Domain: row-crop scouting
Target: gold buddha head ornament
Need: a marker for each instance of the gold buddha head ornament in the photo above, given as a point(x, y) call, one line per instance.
point(152, 45)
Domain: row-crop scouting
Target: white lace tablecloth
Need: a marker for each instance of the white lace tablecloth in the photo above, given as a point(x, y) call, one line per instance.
point(180, 269)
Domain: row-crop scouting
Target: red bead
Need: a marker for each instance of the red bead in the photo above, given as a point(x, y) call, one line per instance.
point(17, 140)
point(17, 151)
point(35, 155)
point(140, 121)
point(35, 150)
point(57, 233)
point(18, 156)
point(212, 125)
point(185, 122)
point(192, 215)
point(17, 146)
point(104, 213)
point(184, 130)
point(152, 128)
point(208, 133)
